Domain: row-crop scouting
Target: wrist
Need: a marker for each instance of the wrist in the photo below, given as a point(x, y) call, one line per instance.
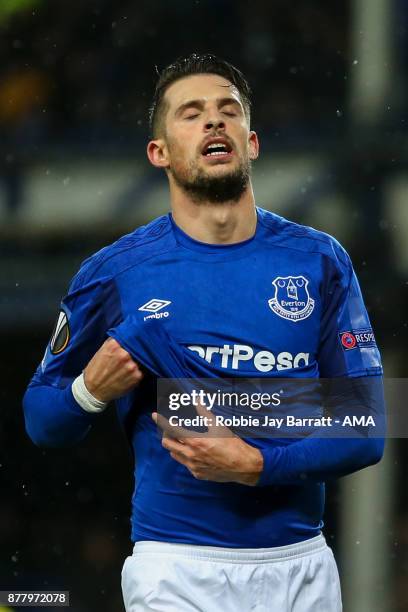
point(91, 387)
point(253, 467)
point(85, 398)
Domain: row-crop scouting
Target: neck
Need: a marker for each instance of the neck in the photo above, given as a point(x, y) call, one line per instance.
point(225, 223)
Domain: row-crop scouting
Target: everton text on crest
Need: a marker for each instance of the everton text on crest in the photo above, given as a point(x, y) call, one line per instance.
point(292, 300)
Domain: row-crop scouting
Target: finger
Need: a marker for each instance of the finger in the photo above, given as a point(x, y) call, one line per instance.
point(213, 429)
point(172, 445)
point(177, 451)
point(174, 431)
point(112, 347)
point(204, 412)
point(181, 459)
point(111, 342)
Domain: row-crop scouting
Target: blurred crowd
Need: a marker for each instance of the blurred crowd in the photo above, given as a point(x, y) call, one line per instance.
point(78, 71)
point(81, 75)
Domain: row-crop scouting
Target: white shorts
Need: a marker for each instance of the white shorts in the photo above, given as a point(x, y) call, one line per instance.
point(164, 577)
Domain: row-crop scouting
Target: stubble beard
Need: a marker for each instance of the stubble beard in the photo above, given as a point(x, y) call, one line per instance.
point(203, 188)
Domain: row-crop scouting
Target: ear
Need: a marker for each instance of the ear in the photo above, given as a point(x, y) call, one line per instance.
point(157, 153)
point(253, 144)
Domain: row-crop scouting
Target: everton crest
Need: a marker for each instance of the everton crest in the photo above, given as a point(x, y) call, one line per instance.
point(292, 300)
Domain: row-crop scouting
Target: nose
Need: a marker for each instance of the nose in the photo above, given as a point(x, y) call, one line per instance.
point(214, 123)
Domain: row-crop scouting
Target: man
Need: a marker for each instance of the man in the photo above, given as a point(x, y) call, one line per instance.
point(216, 288)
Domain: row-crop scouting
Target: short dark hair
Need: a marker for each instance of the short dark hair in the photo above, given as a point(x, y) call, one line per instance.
point(187, 66)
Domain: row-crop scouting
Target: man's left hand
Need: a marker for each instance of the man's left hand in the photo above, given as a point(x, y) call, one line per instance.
point(218, 455)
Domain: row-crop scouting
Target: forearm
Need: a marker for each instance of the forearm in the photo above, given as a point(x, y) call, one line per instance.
point(318, 459)
point(52, 416)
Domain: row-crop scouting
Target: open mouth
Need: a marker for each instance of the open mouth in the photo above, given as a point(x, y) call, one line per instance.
point(217, 148)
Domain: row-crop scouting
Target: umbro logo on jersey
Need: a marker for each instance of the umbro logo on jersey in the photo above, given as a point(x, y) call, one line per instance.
point(154, 306)
point(292, 300)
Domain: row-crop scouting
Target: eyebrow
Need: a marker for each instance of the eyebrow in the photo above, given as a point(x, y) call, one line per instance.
point(199, 104)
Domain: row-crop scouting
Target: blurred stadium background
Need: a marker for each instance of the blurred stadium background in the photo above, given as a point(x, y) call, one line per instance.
point(330, 98)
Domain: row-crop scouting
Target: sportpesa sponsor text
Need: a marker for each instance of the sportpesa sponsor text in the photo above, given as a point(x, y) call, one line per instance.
point(232, 356)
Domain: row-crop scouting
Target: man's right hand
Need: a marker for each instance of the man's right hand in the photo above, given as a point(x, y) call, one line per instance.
point(111, 372)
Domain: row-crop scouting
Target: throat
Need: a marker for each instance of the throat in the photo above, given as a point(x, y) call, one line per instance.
point(219, 225)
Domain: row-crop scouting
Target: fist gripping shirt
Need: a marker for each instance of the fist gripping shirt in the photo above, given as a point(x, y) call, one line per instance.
point(285, 303)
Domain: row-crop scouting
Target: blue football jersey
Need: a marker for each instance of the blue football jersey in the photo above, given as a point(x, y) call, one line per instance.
point(285, 303)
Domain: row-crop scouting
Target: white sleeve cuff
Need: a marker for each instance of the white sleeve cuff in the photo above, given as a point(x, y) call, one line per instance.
point(85, 399)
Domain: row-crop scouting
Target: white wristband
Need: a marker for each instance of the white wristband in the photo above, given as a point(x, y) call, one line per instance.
point(85, 399)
